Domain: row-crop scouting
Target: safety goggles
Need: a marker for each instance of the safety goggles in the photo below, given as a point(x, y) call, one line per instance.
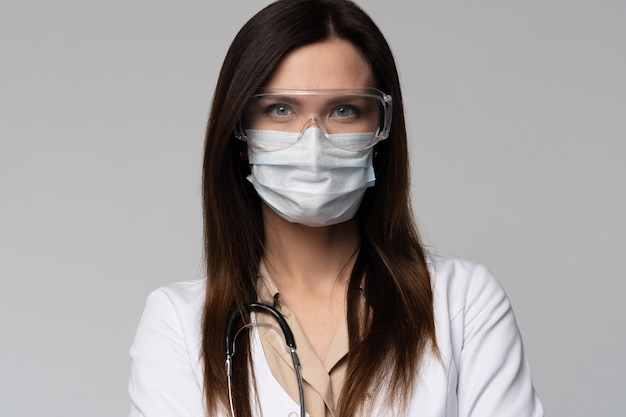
point(343, 115)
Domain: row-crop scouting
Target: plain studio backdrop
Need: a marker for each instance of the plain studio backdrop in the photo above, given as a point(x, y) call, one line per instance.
point(517, 120)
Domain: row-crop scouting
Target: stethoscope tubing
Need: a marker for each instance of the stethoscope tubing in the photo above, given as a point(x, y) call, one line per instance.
point(230, 339)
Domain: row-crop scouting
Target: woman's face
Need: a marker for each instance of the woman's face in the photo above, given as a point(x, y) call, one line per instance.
point(331, 64)
point(306, 192)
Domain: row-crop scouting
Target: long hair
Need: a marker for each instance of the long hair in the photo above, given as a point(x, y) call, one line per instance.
point(388, 339)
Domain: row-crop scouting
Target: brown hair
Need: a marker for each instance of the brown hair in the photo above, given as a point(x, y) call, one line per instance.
point(389, 340)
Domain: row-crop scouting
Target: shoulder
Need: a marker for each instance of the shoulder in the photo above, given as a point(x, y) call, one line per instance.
point(470, 304)
point(467, 297)
point(460, 283)
point(182, 296)
point(172, 317)
point(180, 301)
point(452, 270)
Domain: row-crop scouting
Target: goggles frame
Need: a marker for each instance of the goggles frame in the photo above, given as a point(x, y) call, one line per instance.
point(385, 100)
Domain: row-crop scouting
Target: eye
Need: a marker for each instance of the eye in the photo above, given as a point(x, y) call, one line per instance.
point(279, 110)
point(345, 111)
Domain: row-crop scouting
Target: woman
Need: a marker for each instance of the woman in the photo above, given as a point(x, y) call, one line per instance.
point(306, 209)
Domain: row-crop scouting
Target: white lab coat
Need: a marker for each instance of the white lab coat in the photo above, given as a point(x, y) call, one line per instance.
point(482, 371)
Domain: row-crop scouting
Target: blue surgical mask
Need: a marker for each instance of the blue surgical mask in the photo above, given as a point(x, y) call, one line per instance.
point(311, 182)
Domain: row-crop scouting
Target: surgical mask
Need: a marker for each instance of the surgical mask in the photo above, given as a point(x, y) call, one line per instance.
point(311, 182)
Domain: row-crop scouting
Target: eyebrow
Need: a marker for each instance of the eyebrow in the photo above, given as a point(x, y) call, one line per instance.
point(278, 98)
point(295, 100)
point(346, 99)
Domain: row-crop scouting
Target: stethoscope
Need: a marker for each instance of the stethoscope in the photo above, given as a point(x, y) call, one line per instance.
point(230, 338)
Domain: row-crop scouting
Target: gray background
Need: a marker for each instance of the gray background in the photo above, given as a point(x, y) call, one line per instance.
point(516, 116)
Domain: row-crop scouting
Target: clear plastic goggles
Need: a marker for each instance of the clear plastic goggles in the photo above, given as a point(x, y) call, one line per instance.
point(343, 115)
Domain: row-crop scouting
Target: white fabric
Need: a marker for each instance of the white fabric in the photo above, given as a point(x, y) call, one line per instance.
point(311, 182)
point(482, 371)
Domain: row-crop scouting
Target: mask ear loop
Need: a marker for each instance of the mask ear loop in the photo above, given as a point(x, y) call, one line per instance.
point(239, 132)
point(242, 151)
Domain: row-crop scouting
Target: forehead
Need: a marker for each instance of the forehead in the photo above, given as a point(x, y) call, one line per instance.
point(331, 64)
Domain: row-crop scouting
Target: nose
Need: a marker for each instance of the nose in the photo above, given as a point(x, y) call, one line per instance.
point(313, 122)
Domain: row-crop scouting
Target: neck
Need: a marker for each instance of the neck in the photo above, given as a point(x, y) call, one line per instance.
point(308, 258)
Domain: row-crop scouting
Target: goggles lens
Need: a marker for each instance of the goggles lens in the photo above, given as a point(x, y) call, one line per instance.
point(335, 112)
